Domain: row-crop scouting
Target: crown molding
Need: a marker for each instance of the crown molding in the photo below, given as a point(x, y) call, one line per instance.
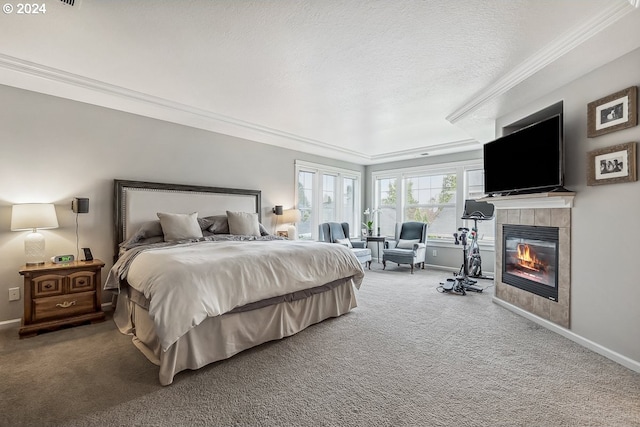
point(543, 58)
point(430, 151)
point(150, 105)
point(204, 119)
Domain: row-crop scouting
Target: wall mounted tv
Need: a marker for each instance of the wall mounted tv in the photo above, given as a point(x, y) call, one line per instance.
point(528, 160)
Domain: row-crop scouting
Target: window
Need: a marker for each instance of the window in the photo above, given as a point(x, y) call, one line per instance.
point(324, 194)
point(431, 194)
point(328, 198)
point(386, 205)
point(305, 202)
point(431, 199)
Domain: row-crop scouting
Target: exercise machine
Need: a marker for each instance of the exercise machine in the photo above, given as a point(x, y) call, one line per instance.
point(476, 211)
point(461, 282)
point(471, 260)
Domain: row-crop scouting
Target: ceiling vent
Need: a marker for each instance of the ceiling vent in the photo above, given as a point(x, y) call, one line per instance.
point(69, 2)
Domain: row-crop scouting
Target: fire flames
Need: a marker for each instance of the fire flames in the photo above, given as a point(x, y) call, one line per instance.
point(527, 258)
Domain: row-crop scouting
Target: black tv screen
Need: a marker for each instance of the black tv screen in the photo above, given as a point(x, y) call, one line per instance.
point(528, 160)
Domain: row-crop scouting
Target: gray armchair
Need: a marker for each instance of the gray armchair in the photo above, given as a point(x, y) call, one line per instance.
point(333, 232)
point(409, 246)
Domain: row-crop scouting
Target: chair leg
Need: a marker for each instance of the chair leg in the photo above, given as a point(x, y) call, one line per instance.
point(423, 265)
point(384, 264)
point(411, 268)
point(369, 265)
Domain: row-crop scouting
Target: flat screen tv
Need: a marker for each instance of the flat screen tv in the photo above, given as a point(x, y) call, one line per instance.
point(528, 160)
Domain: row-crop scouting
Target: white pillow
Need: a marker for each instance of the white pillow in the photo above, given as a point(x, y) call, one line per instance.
point(345, 242)
point(407, 244)
point(179, 226)
point(243, 223)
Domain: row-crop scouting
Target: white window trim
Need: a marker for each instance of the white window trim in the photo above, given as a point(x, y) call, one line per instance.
point(318, 170)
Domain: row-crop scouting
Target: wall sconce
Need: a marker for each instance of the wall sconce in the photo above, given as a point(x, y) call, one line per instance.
point(32, 216)
point(80, 205)
point(277, 210)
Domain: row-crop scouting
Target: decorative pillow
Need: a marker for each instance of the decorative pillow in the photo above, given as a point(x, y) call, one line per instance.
point(180, 226)
point(406, 244)
point(346, 242)
point(205, 222)
point(219, 224)
point(243, 223)
point(149, 232)
point(263, 231)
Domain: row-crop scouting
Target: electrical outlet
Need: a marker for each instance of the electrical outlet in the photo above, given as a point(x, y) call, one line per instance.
point(434, 252)
point(14, 294)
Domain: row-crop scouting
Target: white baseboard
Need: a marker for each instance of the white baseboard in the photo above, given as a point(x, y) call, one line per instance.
point(609, 354)
point(441, 267)
point(10, 324)
point(15, 323)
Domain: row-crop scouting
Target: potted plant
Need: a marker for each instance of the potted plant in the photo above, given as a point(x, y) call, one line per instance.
point(369, 222)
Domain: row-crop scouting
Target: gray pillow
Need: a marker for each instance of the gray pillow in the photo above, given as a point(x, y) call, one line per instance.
point(180, 226)
point(407, 244)
point(243, 223)
point(219, 224)
point(205, 222)
point(149, 231)
point(346, 242)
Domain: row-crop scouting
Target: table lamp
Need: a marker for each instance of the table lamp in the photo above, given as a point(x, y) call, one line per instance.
point(34, 216)
point(291, 216)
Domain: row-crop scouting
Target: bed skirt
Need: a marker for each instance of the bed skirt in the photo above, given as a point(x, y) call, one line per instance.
point(221, 337)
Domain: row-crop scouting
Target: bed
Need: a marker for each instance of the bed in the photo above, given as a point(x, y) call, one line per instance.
point(197, 281)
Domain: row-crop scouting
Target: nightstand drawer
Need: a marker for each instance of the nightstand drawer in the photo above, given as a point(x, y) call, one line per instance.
point(48, 285)
point(63, 306)
point(81, 281)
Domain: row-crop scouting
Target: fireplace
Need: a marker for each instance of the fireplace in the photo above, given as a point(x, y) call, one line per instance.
point(530, 259)
point(547, 295)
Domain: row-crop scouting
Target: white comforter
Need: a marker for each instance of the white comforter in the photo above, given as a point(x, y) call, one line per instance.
point(187, 283)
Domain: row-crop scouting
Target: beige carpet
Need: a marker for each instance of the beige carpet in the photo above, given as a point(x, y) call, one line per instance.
point(407, 356)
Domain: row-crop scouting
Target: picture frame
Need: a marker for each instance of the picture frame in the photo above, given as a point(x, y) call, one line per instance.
point(612, 113)
point(283, 233)
point(612, 165)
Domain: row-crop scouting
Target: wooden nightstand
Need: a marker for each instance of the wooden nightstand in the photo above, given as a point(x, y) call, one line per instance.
point(61, 294)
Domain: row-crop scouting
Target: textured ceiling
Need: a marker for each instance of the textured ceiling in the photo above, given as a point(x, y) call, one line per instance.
point(363, 81)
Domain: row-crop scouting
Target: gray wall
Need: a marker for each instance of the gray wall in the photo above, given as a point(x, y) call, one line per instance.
point(605, 293)
point(54, 149)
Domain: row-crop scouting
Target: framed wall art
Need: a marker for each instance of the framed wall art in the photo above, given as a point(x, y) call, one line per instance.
point(614, 112)
point(612, 164)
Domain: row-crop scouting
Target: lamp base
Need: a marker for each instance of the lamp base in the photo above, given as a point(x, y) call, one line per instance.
point(34, 248)
point(292, 232)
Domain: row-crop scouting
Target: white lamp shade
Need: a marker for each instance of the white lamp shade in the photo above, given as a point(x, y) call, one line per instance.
point(30, 216)
point(291, 216)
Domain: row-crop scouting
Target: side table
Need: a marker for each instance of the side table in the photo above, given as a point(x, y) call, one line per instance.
point(377, 240)
point(57, 295)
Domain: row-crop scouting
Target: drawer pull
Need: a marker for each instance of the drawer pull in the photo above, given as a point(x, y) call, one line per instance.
point(48, 286)
point(82, 282)
point(66, 304)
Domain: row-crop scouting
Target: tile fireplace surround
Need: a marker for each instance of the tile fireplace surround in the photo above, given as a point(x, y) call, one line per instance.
point(543, 209)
